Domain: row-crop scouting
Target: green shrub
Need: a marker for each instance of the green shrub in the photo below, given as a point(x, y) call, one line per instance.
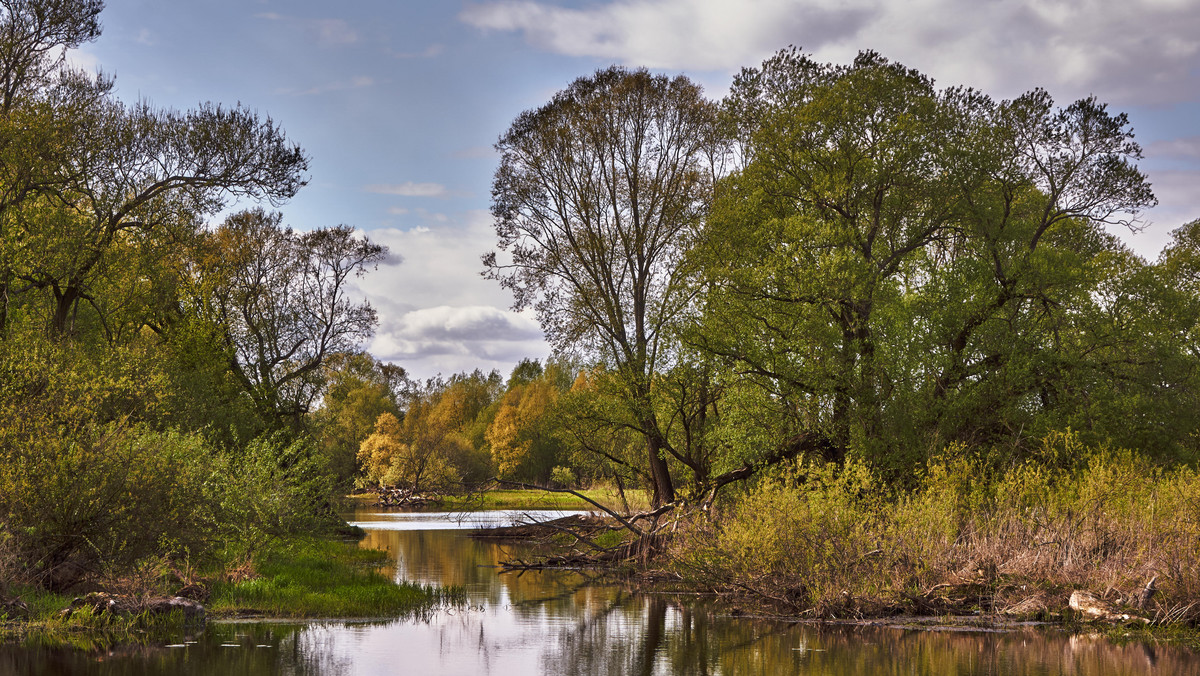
point(829, 538)
point(80, 501)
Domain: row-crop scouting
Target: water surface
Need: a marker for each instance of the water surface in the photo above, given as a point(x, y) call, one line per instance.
point(561, 622)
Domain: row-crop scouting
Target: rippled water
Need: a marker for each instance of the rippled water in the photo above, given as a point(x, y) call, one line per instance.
point(560, 623)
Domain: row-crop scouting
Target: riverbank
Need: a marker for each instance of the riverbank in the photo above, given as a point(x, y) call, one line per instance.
point(305, 577)
point(1075, 536)
point(518, 498)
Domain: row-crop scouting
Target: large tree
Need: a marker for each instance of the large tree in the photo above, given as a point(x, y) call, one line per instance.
point(901, 264)
point(596, 199)
point(281, 303)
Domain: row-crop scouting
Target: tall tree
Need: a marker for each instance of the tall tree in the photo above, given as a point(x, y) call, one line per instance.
point(597, 197)
point(898, 262)
point(281, 300)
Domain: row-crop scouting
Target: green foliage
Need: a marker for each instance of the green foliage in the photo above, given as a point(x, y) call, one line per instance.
point(596, 199)
point(139, 414)
point(563, 477)
point(321, 578)
point(898, 266)
point(275, 486)
point(69, 499)
point(358, 390)
point(831, 538)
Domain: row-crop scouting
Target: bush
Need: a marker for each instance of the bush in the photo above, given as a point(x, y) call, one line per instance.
point(274, 486)
point(828, 539)
point(563, 477)
point(100, 497)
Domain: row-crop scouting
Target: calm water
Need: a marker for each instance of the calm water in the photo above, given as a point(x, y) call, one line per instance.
point(558, 623)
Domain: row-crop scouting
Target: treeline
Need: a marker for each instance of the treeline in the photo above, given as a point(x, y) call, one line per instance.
point(844, 260)
point(552, 425)
point(158, 375)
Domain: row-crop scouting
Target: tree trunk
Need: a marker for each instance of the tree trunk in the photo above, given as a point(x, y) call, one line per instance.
point(664, 490)
point(64, 302)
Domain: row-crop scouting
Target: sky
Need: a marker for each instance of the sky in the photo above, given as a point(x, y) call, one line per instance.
point(398, 103)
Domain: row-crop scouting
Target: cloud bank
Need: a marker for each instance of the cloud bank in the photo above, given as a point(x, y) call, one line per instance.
point(429, 326)
point(1130, 52)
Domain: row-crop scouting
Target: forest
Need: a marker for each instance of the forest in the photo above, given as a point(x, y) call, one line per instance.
point(853, 334)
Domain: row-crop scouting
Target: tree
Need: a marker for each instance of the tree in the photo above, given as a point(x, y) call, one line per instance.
point(596, 199)
point(524, 434)
point(135, 174)
point(38, 98)
point(899, 264)
point(281, 301)
point(410, 455)
point(30, 33)
point(358, 389)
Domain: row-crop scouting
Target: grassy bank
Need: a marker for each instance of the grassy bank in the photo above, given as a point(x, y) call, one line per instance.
point(299, 578)
point(323, 578)
point(974, 534)
point(45, 624)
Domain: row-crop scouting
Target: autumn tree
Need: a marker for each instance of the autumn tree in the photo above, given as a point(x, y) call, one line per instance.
point(597, 197)
point(358, 389)
point(526, 434)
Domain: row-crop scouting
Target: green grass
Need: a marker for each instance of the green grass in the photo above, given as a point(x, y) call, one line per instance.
point(82, 630)
point(324, 578)
point(533, 499)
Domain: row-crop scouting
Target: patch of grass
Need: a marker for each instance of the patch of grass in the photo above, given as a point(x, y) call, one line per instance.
point(45, 626)
point(611, 538)
point(532, 499)
point(324, 578)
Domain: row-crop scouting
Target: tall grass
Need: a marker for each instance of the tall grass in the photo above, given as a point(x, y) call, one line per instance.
point(324, 578)
point(974, 534)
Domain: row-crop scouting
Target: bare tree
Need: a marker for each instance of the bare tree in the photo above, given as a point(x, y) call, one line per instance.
point(281, 300)
point(596, 198)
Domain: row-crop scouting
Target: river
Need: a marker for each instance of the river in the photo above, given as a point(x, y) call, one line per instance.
point(561, 622)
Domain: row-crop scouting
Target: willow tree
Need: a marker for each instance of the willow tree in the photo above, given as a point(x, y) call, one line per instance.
point(897, 263)
point(596, 199)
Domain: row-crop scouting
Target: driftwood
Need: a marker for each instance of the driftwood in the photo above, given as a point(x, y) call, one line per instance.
point(630, 551)
point(103, 603)
point(401, 497)
point(1093, 607)
point(628, 524)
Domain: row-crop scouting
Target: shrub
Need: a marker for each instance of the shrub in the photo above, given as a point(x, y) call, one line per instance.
point(828, 539)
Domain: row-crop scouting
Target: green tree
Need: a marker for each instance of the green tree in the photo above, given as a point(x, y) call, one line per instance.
point(358, 390)
point(895, 262)
point(281, 301)
point(596, 199)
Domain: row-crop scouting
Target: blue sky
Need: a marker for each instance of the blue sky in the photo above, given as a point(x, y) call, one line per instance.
point(398, 104)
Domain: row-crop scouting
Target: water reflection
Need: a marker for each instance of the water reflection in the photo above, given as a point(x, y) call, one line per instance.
point(562, 623)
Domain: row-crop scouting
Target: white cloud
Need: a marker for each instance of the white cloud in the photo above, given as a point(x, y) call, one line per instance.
point(1185, 147)
point(437, 313)
point(1178, 203)
point(429, 52)
point(476, 153)
point(82, 60)
point(1141, 51)
point(357, 82)
point(410, 189)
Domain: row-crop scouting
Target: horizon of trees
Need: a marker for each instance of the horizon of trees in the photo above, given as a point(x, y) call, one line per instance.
point(834, 261)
